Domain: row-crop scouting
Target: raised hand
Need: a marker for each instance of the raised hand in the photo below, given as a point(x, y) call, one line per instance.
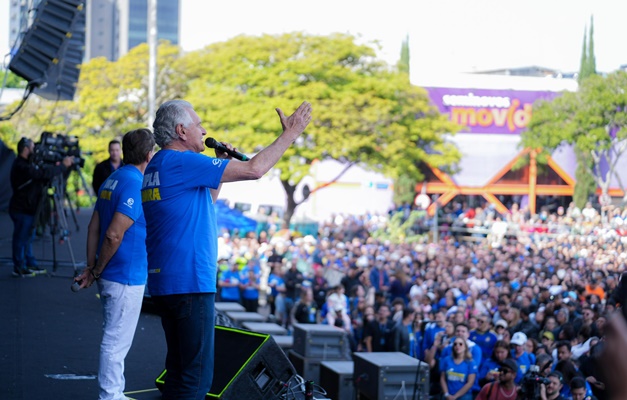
point(297, 122)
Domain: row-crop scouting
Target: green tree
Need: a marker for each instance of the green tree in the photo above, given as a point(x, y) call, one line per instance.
point(591, 59)
point(404, 186)
point(583, 64)
point(12, 80)
point(403, 63)
point(585, 184)
point(594, 120)
point(400, 231)
point(364, 113)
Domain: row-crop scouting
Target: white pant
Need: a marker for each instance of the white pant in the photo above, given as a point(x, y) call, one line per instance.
point(121, 305)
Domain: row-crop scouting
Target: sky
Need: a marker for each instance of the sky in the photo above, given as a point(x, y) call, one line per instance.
point(445, 36)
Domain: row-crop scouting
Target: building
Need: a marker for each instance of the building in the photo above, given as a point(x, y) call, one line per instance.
point(116, 26)
point(494, 110)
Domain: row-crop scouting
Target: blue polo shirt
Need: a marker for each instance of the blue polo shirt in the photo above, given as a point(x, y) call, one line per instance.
point(121, 193)
point(181, 222)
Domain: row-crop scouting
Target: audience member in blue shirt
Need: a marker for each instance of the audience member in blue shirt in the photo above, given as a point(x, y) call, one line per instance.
point(249, 286)
point(483, 337)
point(229, 284)
point(524, 359)
point(458, 372)
point(433, 328)
point(489, 369)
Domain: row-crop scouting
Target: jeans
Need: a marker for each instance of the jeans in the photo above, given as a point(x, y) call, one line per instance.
point(121, 306)
point(22, 240)
point(188, 323)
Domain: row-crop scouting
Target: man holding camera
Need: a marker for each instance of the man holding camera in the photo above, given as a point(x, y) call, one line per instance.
point(27, 182)
point(552, 390)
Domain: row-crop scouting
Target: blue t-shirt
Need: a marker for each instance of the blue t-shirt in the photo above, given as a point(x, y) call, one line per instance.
point(485, 341)
point(278, 281)
point(121, 193)
point(524, 362)
point(487, 366)
point(230, 292)
point(249, 292)
point(457, 374)
point(429, 336)
point(181, 222)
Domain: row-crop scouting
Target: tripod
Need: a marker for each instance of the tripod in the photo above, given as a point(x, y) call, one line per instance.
point(51, 212)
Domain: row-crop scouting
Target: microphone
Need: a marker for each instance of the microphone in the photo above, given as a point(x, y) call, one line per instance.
point(214, 144)
point(76, 286)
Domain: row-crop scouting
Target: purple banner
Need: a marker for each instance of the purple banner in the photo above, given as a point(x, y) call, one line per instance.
point(486, 110)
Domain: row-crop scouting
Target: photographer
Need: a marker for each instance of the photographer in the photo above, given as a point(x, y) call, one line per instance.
point(552, 390)
point(27, 182)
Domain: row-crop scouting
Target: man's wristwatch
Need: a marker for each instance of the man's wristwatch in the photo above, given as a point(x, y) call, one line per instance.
point(96, 276)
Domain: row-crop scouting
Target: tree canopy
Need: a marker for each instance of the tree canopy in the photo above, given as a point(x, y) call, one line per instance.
point(593, 119)
point(364, 112)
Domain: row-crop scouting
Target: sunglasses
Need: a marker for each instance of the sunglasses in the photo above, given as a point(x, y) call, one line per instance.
point(505, 371)
point(458, 344)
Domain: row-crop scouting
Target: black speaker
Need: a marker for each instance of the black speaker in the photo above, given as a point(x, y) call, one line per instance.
point(248, 365)
point(390, 375)
point(51, 52)
point(336, 377)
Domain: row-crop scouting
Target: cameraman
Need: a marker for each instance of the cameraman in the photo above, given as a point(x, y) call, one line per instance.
point(552, 390)
point(27, 182)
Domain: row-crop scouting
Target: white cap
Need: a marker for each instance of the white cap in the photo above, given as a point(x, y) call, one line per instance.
point(501, 322)
point(519, 338)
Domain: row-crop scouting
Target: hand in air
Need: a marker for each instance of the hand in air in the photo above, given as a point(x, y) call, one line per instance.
point(297, 122)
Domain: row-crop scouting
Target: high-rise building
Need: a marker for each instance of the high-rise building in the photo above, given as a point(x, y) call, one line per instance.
point(19, 21)
point(116, 26)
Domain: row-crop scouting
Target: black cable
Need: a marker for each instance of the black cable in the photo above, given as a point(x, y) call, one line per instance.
point(27, 92)
point(416, 380)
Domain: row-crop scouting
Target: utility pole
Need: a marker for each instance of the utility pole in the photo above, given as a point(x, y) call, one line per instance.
point(152, 60)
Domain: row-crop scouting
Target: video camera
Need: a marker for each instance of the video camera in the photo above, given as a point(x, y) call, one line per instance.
point(53, 148)
point(530, 383)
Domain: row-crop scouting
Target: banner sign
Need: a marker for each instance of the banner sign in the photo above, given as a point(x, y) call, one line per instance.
point(487, 110)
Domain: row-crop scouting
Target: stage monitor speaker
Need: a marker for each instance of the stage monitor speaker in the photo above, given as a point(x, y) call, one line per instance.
point(390, 375)
point(336, 377)
point(248, 365)
point(51, 52)
point(321, 341)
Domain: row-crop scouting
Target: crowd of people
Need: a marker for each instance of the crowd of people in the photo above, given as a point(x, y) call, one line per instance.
point(487, 313)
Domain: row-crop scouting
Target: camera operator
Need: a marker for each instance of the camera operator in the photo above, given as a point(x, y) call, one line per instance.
point(27, 182)
point(552, 390)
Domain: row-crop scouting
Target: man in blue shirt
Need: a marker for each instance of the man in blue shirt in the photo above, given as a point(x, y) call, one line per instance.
point(178, 195)
point(229, 284)
point(116, 259)
point(483, 337)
